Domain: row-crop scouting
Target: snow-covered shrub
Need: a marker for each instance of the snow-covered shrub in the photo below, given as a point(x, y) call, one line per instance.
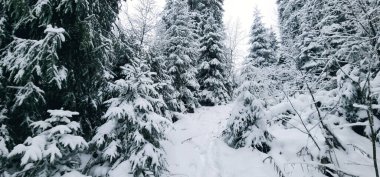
point(349, 91)
point(262, 82)
point(134, 125)
point(247, 124)
point(53, 149)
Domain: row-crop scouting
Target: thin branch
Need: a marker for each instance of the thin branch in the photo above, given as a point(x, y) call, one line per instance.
point(303, 123)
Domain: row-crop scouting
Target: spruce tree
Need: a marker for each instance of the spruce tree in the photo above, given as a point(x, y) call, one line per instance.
point(261, 51)
point(289, 19)
point(181, 54)
point(214, 69)
point(308, 42)
point(134, 124)
point(55, 55)
point(162, 79)
point(54, 148)
point(247, 124)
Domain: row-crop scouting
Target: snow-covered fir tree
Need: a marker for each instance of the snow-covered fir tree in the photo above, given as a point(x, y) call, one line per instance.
point(247, 124)
point(55, 55)
point(31, 65)
point(289, 20)
point(54, 148)
point(214, 69)
point(308, 42)
point(261, 51)
point(181, 54)
point(134, 124)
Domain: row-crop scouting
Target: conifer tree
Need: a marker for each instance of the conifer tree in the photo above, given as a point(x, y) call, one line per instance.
point(53, 149)
point(214, 69)
point(55, 55)
point(134, 124)
point(181, 53)
point(289, 19)
point(260, 51)
point(247, 124)
point(162, 79)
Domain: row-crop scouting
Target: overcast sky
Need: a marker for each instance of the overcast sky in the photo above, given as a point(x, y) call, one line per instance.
point(243, 11)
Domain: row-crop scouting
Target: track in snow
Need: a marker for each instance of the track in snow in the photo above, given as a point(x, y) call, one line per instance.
point(194, 148)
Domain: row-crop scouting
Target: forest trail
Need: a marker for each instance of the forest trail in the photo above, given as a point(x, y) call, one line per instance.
point(195, 149)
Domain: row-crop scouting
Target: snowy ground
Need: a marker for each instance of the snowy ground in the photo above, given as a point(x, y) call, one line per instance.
point(195, 149)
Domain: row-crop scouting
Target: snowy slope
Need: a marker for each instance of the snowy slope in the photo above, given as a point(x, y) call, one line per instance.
point(195, 149)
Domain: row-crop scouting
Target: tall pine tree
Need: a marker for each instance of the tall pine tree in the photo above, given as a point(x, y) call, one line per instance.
point(261, 50)
point(214, 69)
point(181, 53)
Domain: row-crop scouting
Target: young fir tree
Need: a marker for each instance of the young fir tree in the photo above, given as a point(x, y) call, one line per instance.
point(247, 124)
point(214, 69)
point(261, 51)
point(134, 124)
point(181, 53)
point(54, 148)
point(55, 55)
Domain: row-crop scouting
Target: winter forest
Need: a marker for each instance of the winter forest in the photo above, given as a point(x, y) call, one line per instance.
point(104, 88)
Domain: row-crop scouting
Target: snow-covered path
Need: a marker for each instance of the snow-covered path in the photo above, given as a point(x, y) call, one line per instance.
point(194, 148)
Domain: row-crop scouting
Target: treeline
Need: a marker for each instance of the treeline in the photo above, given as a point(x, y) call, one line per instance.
point(75, 83)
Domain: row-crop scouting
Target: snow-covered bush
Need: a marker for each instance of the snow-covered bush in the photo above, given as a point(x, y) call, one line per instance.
point(134, 125)
point(53, 149)
point(247, 124)
point(349, 91)
point(262, 82)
